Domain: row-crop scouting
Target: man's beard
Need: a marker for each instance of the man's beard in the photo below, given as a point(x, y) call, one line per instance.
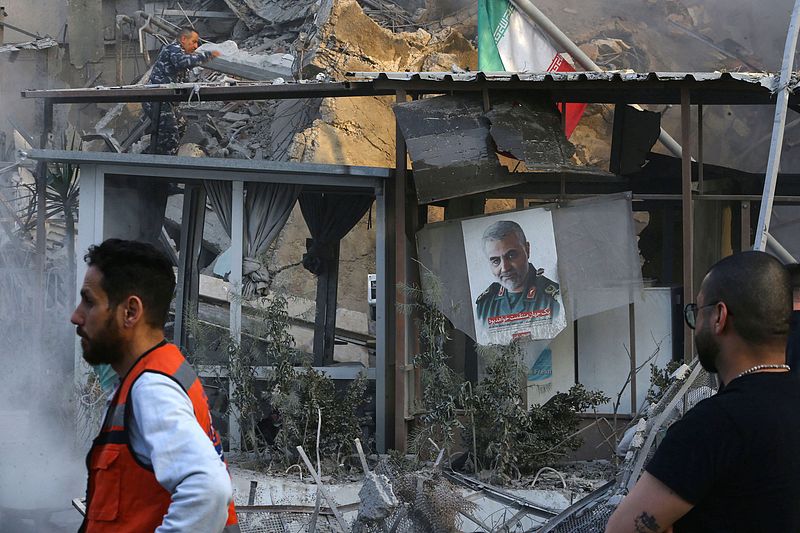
point(105, 348)
point(707, 349)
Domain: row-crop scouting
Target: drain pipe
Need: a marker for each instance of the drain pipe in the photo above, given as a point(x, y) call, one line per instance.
point(778, 126)
point(539, 18)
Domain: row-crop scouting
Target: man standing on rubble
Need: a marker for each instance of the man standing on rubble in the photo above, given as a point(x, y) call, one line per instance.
point(730, 464)
point(173, 62)
point(157, 463)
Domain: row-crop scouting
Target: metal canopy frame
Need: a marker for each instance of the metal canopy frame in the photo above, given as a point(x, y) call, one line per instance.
point(95, 166)
point(397, 211)
point(713, 88)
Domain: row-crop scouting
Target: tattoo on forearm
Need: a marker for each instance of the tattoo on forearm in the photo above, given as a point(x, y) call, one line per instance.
point(646, 523)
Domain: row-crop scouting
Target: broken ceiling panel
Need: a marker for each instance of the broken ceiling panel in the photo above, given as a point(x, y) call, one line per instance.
point(635, 133)
point(529, 131)
point(453, 144)
point(449, 144)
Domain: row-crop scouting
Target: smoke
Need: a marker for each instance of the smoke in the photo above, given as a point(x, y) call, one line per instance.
point(40, 468)
point(696, 36)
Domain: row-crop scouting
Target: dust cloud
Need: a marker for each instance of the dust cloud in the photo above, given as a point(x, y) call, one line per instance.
point(41, 469)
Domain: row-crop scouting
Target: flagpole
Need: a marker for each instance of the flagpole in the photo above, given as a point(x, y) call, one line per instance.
point(527, 7)
point(778, 127)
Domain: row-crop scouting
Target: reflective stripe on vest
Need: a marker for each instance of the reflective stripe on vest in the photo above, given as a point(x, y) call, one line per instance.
point(123, 495)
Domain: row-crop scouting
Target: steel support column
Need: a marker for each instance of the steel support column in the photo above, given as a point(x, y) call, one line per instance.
point(41, 210)
point(381, 319)
point(235, 297)
point(90, 231)
point(401, 280)
point(746, 241)
point(188, 286)
point(688, 220)
point(700, 148)
point(778, 128)
point(632, 341)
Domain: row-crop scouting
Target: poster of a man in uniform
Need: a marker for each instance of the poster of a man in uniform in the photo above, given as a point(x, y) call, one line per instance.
point(512, 266)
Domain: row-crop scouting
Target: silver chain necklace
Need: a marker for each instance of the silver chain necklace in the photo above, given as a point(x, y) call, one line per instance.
point(763, 367)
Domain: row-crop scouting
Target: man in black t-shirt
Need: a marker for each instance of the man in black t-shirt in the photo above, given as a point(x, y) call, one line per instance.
point(793, 344)
point(731, 463)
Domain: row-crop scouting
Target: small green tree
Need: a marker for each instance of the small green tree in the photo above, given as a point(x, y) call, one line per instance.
point(443, 391)
point(513, 440)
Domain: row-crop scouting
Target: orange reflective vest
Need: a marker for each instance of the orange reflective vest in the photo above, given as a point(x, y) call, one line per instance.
point(122, 494)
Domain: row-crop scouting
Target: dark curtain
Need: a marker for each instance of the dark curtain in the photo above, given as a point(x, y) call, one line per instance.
point(329, 218)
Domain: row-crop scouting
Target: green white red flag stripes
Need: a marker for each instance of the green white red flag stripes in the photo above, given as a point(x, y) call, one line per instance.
point(510, 42)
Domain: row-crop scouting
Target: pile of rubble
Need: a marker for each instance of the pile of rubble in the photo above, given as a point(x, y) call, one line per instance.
point(284, 42)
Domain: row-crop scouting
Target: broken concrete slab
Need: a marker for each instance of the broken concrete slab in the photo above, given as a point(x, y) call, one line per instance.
point(85, 37)
point(235, 117)
point(244, 64)
point(38, 44)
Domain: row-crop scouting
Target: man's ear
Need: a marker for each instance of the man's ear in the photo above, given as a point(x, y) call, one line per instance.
point(528, 249)
point(723, 317)
point(133, 311)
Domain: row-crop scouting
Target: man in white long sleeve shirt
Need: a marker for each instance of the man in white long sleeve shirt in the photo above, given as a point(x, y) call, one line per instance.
point(157, 463)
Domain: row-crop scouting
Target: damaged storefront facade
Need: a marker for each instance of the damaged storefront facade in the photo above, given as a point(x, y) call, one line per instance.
point(548, 181)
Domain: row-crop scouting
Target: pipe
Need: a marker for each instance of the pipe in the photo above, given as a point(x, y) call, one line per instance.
point(155, 21)
point(778, 127)
point(779, 251)
point(540, 19)
point(19, 30)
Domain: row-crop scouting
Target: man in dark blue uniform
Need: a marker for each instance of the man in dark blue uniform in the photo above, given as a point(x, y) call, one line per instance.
point(520, 287)
point(171, 66)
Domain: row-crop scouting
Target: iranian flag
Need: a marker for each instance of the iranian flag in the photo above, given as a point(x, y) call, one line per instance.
point(510, 42)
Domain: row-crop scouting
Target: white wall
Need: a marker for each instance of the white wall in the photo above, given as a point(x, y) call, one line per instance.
point(603, 363)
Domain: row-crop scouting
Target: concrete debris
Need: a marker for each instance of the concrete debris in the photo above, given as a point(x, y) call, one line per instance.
point(233, 117)
point(247, 64)
point(245, 14)
point(464, 21)
point(38, 44)
point(329, 39)
point(278, 12)
point(389, 15)
point(378, 501)
point(351, 41)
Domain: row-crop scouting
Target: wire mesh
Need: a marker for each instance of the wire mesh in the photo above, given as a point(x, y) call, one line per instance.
point(592, 513)
point(429, 503)
point(283, 522)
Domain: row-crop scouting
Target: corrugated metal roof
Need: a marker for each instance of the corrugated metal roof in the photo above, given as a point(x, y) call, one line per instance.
point(617, 87)
point(769, 81)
